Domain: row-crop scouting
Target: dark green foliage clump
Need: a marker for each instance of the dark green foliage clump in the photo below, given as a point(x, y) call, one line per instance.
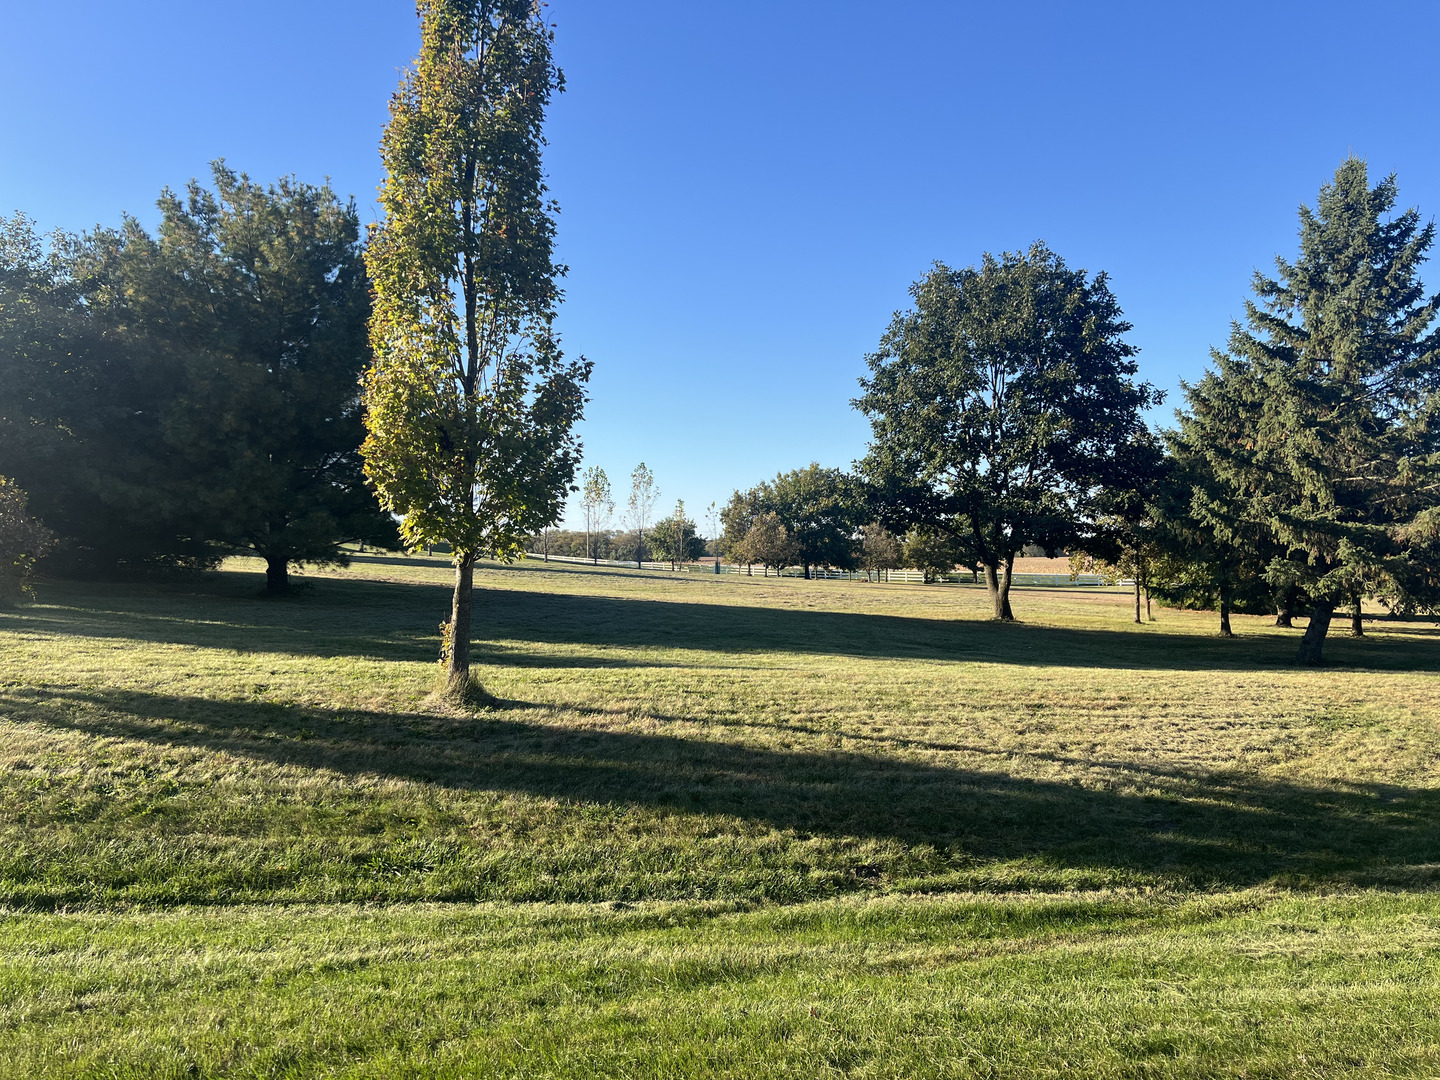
point(1000, 405)
point(1314, 444)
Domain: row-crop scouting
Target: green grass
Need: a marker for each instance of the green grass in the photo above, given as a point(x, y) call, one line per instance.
point(716, 826)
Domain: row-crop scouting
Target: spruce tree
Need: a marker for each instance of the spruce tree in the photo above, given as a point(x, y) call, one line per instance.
point(1335, 387)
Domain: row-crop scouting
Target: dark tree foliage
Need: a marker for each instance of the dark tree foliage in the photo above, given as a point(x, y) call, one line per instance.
point(84, 405)
point(821, 509)
point(1001, 405)
point(257, 298)
point(174, 397)
point(1333, 448)
point(1204, 558)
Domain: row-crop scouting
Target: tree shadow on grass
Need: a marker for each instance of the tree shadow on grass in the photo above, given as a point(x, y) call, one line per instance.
point(1197, 828)
point(398, 622)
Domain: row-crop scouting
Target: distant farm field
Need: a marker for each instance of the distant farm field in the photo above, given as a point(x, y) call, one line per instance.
point(717, 826)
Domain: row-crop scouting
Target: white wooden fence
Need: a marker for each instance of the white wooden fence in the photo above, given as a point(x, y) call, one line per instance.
point(894, 577)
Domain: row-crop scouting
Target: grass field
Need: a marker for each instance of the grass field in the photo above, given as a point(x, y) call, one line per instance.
point(716, 827)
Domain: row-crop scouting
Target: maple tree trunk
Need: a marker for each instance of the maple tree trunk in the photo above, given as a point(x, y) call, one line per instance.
point(457, 667)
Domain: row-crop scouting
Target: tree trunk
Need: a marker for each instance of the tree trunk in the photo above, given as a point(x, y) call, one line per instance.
point(1006, 613)
point(277, 576)
point(1225, 630)
point(457, 667)
point(639, 549)
point(1313, 640)
point(1357, 619)
point(1285, 607)
point(998, 587)
point(1149, 615)
point(1137, 601)
point(992, 586)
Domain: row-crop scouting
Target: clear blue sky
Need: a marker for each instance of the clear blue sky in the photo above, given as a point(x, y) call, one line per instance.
point(748, 188)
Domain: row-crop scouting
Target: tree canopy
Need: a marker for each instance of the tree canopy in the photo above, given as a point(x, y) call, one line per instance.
point(1000, 405)
point(821, 509)
point(470, 403)
point(1319, 420)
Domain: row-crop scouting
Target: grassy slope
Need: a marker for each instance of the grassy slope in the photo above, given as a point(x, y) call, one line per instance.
point(1227, 839)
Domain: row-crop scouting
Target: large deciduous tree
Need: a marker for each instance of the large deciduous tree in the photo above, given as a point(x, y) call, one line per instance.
point(1336, 446)
point(1000, 406)
point(470, 404)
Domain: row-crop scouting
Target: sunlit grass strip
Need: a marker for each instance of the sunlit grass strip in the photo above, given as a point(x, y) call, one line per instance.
point(1257, 983)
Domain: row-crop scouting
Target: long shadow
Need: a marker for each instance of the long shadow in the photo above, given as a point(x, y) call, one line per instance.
point(1218, 828)
point(399, 620)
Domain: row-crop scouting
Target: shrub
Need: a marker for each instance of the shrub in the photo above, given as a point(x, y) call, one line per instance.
point(22, 541)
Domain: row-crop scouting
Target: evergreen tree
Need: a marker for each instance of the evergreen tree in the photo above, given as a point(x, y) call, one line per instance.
point(83, 411)
point(256, 298)
point(1335, 379)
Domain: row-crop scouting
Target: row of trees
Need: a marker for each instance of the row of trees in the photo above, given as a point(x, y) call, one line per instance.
point(1303, 473)
point(1305, 467)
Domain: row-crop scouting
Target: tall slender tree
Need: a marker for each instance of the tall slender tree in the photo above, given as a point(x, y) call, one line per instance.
point(471, 405)
point(643, 497)
point(1338, 452)
point(595, 494)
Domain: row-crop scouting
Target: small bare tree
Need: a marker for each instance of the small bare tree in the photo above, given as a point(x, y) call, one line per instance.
point(643, 496)
point(595, 491)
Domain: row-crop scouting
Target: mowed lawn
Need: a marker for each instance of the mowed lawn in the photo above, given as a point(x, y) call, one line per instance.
point(715, 827)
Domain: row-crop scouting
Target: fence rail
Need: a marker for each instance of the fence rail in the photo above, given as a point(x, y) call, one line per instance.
point(893, 577)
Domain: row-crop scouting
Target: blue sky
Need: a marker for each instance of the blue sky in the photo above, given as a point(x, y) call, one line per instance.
point(748, 188)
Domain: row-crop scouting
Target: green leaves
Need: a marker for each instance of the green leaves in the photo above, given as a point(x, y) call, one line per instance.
point(1318, 420)
point(470, 404)
point(1001, 404)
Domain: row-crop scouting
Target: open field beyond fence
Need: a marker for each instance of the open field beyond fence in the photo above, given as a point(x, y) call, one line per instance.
point(718, 826)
